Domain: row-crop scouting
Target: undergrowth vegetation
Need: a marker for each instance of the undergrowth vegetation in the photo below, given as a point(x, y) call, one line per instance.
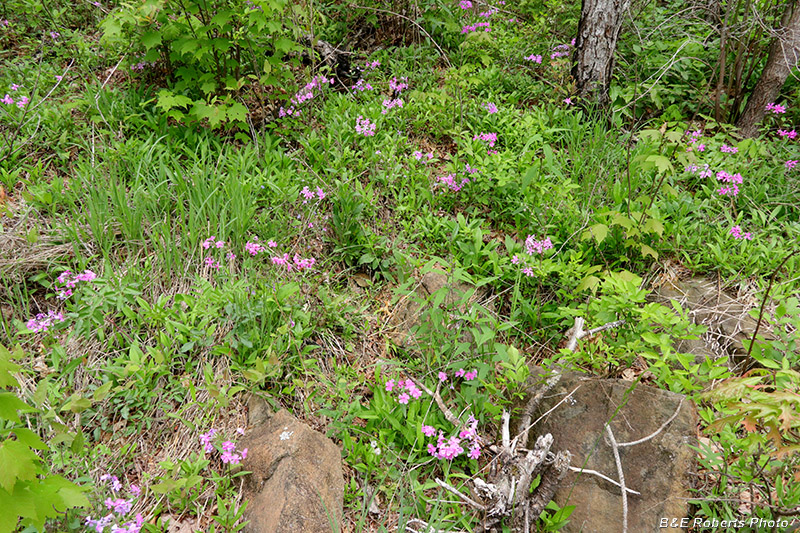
point(194, 208)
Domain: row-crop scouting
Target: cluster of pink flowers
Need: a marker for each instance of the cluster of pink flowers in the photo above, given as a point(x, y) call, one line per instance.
point(304, 94)
point(733, 181)
point(141, 65)
point(736, 232)
point(212, 242)
point(371, 66)
point(562, 50)
point(469, 170)
point(532, 246)
point(120, 506)
point(390, 103)
point(487, 14)
point(228, 455)
point(398, 86)
point(791, 135)
point(5, 22)
point(70, 280)
point(449, 449)
point(308, 194)
point(419, 156)
point(694, 141)
point(469, 28)
point(776, 108)
point(452, 183)
point(490, 138)
point(21, 102)
point(405, 389)
point(465, 4)
point(705, 173)
point(296, 263)
point(790, 164)
point(536, 58)
point(490, 107)
point(365, 127)
point(362, 86)
point(43, 322)
point(728, 149)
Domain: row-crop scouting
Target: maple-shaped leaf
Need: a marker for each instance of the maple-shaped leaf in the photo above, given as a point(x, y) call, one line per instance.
point(749, 423)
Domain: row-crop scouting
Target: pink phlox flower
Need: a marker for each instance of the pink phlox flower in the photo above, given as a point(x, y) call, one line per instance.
point(707, 172)
point(533, 246)
point(776, 108)
point(244, 453)
point(515, 260)
point(471, 170)
point(230, 256)
point(472, 374)
point(22, 102)
point(398, 86)
point(490, 107)
point(528, 271)
point(728, 149)
point(212, 263)
point(536, 58)
point(320, 193)
point(120, 505)
point(403, 398)
point(692, 168)
point(365, 127)
point(43, 322)
point(307, 193)
point(301, 263)
point(790, 134)
point(240, 431)
point(736, 232)
point(451, 183)
point(474, 451)
point(490, 138)
point(7, 100)
point(790, 164)
point(568, 101)
point(442, 377)
point(54, 35)
point(362, 85)
point(253, 248)
point(230, 458)
point(389, 103)
point(272, 244)
point(59, 78)
point(465, 4)
point(475, 27)
point(432, 449)
point(228, 446)
point(205, 439)
point(428, 431)
point(135, 490)
point(460, 373)
point(390, 385)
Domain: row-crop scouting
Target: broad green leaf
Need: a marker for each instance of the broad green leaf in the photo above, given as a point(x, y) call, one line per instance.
point(17, 463)
point(9, 405)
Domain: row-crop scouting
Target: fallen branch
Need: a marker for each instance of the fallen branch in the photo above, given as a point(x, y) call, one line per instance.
point(448, 414)
point(602, 476)
point(659, 430)
point(621, 474)
point(475, 505)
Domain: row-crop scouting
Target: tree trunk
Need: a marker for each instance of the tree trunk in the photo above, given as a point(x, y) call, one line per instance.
point(598, 31)
point(784, 53)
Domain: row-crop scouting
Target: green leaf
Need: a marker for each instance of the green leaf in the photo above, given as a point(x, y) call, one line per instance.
point(598, 231)
point(151, 39)
point(9, 405)
point(102, 391)
point(17, 463)
point(653, 226)
point(237, 112)
point(646, 250)
point(7, 367)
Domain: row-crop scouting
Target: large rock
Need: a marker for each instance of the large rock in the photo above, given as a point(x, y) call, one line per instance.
point(728, 319)
point(657, 468)
point(296, 482)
